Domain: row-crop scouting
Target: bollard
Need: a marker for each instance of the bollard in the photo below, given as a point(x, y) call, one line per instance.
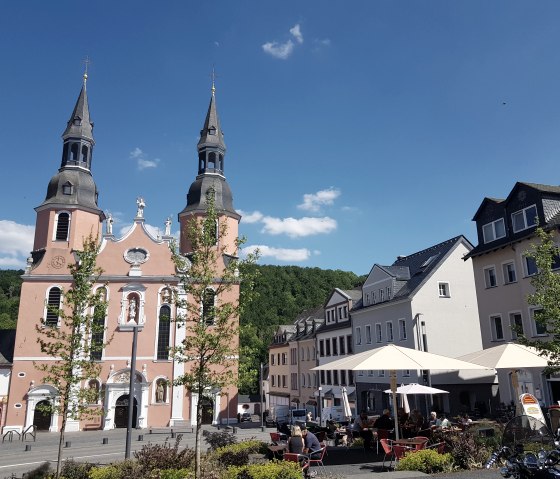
point(141, 437)
point(234, 430)
point(263, 429)
point(172, 435)
point(28, 447)
point(68, 444)
point(105, 440)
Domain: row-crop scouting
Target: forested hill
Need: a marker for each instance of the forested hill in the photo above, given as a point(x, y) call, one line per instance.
point(10, 287)
point(283, 292)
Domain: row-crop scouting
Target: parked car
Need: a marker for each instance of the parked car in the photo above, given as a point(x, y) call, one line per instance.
point(245, 417)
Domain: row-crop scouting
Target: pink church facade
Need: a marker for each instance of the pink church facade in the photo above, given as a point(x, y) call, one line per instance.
point(137, 280)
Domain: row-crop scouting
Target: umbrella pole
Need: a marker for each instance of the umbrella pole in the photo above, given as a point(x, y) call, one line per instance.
point(393, 375)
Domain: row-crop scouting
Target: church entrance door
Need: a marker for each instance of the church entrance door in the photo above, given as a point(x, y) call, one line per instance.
point(42, 418)
point(121, 412)
point(207, 410)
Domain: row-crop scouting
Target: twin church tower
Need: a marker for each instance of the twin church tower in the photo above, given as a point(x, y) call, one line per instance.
point(138, 276)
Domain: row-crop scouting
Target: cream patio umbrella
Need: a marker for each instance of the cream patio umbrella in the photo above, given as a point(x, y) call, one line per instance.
point(346, 404)
point(395, 358)
point(508, 356)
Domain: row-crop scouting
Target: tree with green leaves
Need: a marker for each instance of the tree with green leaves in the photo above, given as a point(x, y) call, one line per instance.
point(72, 342)
point(546, 297)
point(209, 305)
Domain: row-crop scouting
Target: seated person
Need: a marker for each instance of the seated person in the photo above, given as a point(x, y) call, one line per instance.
point(361, 426)
point(384, 421)
point(443, 422)
point(312, 444)
point(432, 422)
point(284, 429)
point(415, 422)
point(296, 444)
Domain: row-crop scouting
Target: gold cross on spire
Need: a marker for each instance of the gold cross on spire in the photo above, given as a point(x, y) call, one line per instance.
point(213, 76)
point(86, 61)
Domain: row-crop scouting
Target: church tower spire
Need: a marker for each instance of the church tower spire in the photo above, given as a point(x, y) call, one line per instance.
point(72, 192)
point(211, 153)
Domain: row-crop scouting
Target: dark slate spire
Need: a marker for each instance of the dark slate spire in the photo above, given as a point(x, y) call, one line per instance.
point(211, 146)
point(211, 153)
point(73, 186)
point(79, 124)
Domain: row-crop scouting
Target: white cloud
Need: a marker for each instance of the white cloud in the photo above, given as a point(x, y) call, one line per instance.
point(284, 50)
point(279, 50)
point(142, 161)
point(16, 242)
point(250, 218)
point(296, 228)
point(325, 42)
point(281, 254)
point(296, 33)
point(314, 201)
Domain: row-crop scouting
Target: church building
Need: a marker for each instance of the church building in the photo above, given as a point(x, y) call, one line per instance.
point(138, 278)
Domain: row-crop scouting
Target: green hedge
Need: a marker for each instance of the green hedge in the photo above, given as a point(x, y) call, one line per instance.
point(425, 460)
point(270, 470)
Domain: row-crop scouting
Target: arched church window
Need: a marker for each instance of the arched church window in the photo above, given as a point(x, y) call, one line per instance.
point(98, 326)
point(201, 161)
point(84, 154)
point(53, 307)
point(208, 307)
point(212, 160)
point(164, 330)
point(74, 153)
point(62, 226)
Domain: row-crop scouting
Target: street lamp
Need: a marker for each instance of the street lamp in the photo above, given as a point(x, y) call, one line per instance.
point(261, 393)
point(320, 407)
point(131, 390)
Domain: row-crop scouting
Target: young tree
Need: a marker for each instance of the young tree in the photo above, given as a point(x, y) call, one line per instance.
point(71, 342)
point(546, 297)
point(209, 305)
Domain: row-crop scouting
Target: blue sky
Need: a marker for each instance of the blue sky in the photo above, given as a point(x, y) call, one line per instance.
point(356, 131)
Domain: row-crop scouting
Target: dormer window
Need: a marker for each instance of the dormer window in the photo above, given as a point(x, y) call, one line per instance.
point(67, 188)
point(493, 231)
point(521, 220)
point(212, 130)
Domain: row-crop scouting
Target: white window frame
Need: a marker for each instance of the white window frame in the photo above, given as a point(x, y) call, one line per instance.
point(358, 336)
point(58, 213)
point(492, 224)
point(389, 330)
point(526, 260)
point(406, 373)
point(523, 214)
point(494, 318)
point(370, 373)
point(443, 289)
point(402, 330)
point(534, 323)
point(487, 277)
point(506, 272)
point(512, 324)
point(381, 373)
point(368, 334)
point(378, 333)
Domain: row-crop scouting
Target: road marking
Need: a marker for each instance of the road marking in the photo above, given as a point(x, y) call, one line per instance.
point(54, 460)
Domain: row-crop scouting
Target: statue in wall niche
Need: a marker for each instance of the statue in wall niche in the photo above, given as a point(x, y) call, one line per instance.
point(132, 309)
point(160, 392)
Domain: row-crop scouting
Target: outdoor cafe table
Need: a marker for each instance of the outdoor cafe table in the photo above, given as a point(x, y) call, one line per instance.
point(412, 442)
point(278, 450)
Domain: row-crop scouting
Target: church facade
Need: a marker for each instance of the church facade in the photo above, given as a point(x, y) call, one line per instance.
point(138, 279)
